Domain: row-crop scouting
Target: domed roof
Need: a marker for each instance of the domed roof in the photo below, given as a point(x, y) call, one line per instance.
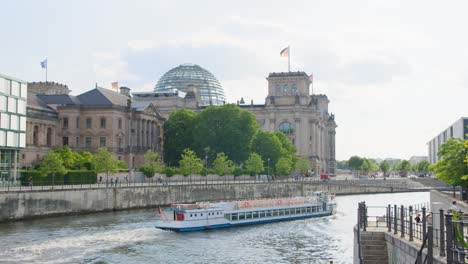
point(185, 76)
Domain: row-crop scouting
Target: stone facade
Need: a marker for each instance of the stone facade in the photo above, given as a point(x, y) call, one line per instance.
point(97, 118)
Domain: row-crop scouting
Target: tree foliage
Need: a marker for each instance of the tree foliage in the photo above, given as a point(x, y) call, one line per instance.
point(384, 167)
point(452, 167)
point(52, 164)
point(302, 165)
point(254, 164)
point(152, 163)
point(178, 135)
point(222, 165)
point(190, 163)
point(226, 129)
point(104, 162)
point(355, 163)
point(268, 146)
point(283, 166)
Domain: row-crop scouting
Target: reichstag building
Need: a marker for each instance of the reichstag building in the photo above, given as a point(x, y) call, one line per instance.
point(131, 123)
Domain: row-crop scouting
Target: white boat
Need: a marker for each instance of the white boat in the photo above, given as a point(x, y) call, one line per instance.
point(200, 216)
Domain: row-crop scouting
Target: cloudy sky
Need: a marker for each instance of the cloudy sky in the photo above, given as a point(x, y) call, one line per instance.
point(396, 72)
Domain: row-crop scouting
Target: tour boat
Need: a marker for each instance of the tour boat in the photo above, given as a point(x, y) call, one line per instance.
point(206, 215)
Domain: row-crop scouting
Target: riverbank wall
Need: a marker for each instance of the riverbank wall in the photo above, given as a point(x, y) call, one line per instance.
point(19, 205)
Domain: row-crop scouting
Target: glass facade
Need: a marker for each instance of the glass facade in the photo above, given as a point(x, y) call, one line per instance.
point(13, 94)
point(186, 75)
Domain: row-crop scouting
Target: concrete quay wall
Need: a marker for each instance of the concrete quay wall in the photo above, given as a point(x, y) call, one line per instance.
point(30, 204)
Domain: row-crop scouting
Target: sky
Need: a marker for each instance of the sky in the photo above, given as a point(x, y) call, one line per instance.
point(395, 72)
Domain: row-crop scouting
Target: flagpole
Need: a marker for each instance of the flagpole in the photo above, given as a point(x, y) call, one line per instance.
point(46, 73)
point(289, 59)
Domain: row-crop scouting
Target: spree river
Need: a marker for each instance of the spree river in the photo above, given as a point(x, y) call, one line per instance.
point(130, 237)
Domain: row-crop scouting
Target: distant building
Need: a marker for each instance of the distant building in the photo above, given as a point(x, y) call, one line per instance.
point(13, 95)
point(459, 129)
point(416, 159)
point(96, 118)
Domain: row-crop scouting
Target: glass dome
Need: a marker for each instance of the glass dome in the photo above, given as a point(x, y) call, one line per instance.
point(182, 77)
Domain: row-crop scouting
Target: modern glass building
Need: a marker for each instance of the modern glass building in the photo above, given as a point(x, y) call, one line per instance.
point(459, 129)
point(13, 94)
point(188, 76)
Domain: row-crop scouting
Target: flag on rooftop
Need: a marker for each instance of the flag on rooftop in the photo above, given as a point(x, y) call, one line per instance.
point(311, 77)
point(115, 86)
point(44, 64)
point(285, 52)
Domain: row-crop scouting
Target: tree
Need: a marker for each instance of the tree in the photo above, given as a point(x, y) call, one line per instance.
point(70, 158)
point(254, 164)
point(222, 165)
point(226, 129)
point(355, 163)
point(452, 168)
point(422, 166)
point(178, 135)
point(268, 146)
point(302, 165)
point(85, 160)
point(152, 163)
point(283, 166)
point(373, 166)
point(104, 162)
point(52, 164)
point(404, 167)
point(190, 163)
point(384, 167)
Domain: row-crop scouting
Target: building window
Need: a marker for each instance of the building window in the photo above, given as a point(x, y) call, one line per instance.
point(78, 122)
point(77, 141)
point(49, 137)
point(88, 142)
point(103, 122)
point(120, 123)
point(286, 128)
point(89, 122)
point(36, 136)
point(65, 122)
point(278, 88)
point(286, 88)
point(119, 142)
point(65, 141)
point(294, 88)
point(102, 141)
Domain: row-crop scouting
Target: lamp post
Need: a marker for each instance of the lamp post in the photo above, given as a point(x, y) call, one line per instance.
point(268, 169)
point(206, 169)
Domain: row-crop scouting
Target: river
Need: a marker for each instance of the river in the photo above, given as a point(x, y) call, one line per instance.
point(130, 237)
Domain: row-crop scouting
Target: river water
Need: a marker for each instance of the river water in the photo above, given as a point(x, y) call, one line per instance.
point(130, 237)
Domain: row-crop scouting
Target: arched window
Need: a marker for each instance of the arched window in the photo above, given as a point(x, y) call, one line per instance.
point(286, 88)
point(49, 137)
point(294, 88)
point(286, 128)
point(36, 136)
point(278, 88)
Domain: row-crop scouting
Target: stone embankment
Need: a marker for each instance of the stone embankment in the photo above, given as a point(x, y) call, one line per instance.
point(15, 205)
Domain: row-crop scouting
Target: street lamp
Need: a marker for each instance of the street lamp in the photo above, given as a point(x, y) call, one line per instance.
point(268, 168)
point(206, 169)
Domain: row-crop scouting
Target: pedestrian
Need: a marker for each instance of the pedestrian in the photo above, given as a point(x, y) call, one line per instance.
point(30, 180)
point(126, 178)
point(100, 179)
point(112, 182)
point(418, 219)
point(454, 207)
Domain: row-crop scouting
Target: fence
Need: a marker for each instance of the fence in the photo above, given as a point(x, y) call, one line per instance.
point(437, 231)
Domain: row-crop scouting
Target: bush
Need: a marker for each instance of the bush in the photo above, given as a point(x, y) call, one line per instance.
point(169, 171)
point(80, 177)
point(238, 171)
point(71, 177)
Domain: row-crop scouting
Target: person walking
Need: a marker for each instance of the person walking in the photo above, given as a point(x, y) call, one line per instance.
point(30, 180)
point(454, 207)
point(112, 182)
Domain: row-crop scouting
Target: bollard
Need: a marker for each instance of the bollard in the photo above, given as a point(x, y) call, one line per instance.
point(389, 217)
point(410, 223)
point(461, 252)
point(430, 245)
point(365, 215)
point(448, 228)
point(424, 231)
point(402, 221)
point(395, 216)
point(441, 234)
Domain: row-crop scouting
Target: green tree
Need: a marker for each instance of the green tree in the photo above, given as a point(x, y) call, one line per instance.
point(405, 167)
point(84, 160)
point(373, 166)
point(121, 165)
point(365, 166)
point(302, 165)
point(268, 146)
point(178, 135)
point(222, 165)
point(152, 163)
point(254, 164)
point(384, 167)
point(283, 166)
point(190, 163)
point(226, 129)
point(355, 163)
point(104, 162)
point(452, 168)
point(342, 165)
point(70, 158)
point(52, 164)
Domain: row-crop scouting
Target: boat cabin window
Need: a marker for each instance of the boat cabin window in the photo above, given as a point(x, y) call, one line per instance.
point(191, 215)
point(314, 208)
point(268, 213)
point(201, 214)
point(308, 209)
point(298, 210)
point(262, 214)
point(195, 215)
point(275, 212)
point(248, 215)
point(241, 216)
point(235, 217)
point(303, 210)
point(255, 215)
point(281, 212)
point(286, 211)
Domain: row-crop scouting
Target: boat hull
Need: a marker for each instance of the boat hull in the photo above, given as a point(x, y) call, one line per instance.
point(243, 223)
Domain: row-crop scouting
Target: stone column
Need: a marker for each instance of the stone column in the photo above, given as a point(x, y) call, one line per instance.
point(298, 135)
